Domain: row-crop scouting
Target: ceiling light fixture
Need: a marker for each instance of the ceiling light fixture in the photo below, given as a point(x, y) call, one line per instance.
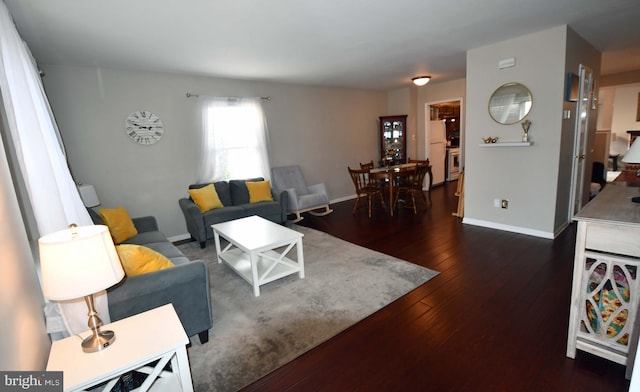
point(421, 80)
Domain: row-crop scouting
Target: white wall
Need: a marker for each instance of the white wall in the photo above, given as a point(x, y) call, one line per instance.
point(322, 129)
point(625, 107)
point(24, 343)
point(526, 176)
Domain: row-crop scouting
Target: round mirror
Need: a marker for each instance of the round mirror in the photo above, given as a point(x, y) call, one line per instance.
point(510, 103)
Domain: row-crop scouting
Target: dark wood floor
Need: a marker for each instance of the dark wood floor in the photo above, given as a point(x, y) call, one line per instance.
point(495, 319)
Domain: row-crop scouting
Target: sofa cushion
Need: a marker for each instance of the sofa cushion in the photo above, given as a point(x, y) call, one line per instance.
point(146, 238)
point(239, 191)
point(95, 217)
point(206, 198)
point(312, 200)
point(267, 210)
point(169, 250)
point(138, 259)
point(222, 189)
point(119, 222)
point(259, 191)
point(222, 215)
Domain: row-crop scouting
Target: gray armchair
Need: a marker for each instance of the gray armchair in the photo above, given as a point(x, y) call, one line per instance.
point(302, 198)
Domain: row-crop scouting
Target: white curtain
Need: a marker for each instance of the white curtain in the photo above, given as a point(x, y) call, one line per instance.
point(41, 158)
point(235, 142)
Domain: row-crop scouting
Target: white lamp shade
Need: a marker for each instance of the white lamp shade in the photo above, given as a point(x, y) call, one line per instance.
point(89, 195)
point(78, 261)
point(633, 155)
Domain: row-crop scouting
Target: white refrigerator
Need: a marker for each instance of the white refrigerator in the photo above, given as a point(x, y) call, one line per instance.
point(437, 136)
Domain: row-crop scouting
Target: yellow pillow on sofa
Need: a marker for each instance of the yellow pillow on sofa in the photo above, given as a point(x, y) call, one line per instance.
point(206, 198)
point(259, 191)
point(138, 260)
point(119, 222)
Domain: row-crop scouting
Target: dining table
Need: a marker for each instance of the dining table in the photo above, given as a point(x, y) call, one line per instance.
point(391, 175)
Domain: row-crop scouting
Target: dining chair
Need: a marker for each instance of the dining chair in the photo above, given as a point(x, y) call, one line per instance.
point(365, 188)
point(367, 165)
point(429, 173)
point(413, 188)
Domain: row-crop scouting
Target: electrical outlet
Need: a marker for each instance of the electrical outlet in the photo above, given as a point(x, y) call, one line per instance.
point(505, 203)
point(496, 203)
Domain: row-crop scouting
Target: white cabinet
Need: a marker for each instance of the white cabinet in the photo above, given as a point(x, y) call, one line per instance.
point(606, 285)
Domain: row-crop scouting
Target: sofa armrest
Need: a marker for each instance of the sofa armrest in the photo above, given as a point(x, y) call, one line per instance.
point(283, 197)
point(193, 219)
point(145, 223)
point(186, 286)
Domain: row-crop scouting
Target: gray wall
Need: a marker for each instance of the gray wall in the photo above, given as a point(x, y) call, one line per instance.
point(322, 129)
point(526, 176)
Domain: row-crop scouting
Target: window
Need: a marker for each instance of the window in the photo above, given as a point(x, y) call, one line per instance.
point(234, 139)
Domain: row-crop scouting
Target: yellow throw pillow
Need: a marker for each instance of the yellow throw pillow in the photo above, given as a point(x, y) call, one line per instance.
point(120, 224)
point(259, 191)
point(206, 198)
point(138, 260)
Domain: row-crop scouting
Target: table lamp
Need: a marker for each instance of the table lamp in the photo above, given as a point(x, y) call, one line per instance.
point(79, 262)
point(633, 156)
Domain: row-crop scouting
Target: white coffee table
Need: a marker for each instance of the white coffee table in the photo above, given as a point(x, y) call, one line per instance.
point(252, 253)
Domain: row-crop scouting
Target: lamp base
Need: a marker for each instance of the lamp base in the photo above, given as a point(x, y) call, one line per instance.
point(99, 340)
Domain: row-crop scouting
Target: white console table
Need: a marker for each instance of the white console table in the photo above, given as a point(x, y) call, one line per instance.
point(145, 342)
point(606, 281)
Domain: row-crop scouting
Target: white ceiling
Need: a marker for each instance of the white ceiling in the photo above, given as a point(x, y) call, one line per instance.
point(374, 44)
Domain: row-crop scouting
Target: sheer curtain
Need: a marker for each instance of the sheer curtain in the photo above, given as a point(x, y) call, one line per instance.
point(235, 142)
point(38, 147)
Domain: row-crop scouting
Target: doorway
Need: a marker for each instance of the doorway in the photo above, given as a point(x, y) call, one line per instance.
point(444, 132)
point(583, 109)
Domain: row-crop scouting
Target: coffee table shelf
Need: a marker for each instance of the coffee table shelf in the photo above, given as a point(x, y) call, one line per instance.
point(258, 250)
point(268, 271)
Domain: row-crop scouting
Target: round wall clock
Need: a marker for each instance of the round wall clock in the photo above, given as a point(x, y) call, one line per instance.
point(144, 127)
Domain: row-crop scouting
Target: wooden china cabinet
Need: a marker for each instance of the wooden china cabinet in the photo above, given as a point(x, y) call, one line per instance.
point(393, 140)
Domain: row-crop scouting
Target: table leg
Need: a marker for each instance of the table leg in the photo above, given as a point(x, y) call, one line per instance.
point(253, 256)
point(181, 367)
point(392, 179)
point(216, 238)
point(300, 258)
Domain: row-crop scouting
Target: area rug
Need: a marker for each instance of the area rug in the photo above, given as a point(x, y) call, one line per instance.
point(252, 336)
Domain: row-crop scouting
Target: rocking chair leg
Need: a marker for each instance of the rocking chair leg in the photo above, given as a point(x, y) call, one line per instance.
point(298, 218)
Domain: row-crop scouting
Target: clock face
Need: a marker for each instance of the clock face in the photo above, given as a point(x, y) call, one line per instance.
point(144, 127)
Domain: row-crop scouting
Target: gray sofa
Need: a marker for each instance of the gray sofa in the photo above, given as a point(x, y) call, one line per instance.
point(185, 285)
point(234, 195)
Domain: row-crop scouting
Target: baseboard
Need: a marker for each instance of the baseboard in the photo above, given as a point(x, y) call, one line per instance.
point(561, 229)
point(340, 199)
point(513, 229)
point(180, 237)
